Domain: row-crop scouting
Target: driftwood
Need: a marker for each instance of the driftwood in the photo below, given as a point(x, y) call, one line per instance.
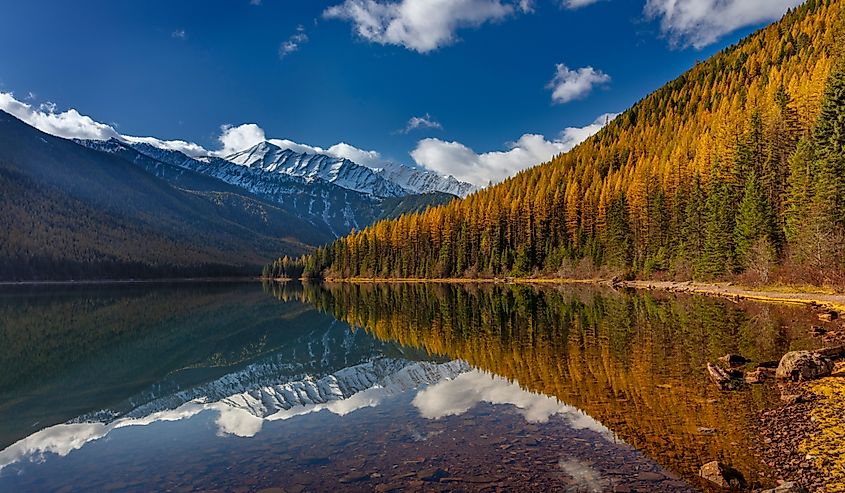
point(834, 352)
point(734, 359)
point(721, 377)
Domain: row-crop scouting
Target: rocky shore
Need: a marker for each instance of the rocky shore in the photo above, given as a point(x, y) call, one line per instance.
point(803, 440)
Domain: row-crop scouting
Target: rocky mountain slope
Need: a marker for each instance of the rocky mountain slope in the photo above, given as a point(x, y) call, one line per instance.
point(71, 213)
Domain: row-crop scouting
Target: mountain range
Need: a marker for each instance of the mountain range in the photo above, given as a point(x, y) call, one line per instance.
point(112, 209)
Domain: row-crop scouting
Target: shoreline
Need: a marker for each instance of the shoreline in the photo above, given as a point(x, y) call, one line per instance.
point(769, 294)
point(95, 282)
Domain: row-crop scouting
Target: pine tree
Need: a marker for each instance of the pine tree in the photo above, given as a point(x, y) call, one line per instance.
point(693, 231)
point(799, 190)
point(829, 138)
point(717, 256)
point(752, 220)
point(618, 248)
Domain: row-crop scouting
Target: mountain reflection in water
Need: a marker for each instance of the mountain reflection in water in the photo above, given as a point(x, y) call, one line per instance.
point(464, 387)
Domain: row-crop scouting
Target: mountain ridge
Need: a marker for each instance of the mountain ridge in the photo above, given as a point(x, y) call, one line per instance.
point(339, 171)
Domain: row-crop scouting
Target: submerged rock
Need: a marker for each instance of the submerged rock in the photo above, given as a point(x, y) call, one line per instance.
point(759, 375)
point(786, 487)
point(722, 475)
point(794, 398)
point(800, 366)
point(828, 316)
point(432, 474)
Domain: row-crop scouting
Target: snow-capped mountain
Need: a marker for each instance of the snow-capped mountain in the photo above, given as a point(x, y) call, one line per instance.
point(338, 171)
point(328, 206)
point(396, 179)
point(323, 204)
point(423, 181)
point(313, 198)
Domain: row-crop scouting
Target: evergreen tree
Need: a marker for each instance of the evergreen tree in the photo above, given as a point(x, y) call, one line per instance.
point(752, 220)
point(829, 137)
point(693, 231)
point(618, 237)
point(799, 189)
point(717, 256)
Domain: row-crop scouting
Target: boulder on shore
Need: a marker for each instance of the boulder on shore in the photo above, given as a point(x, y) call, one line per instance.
point(722, 475)
point(800, 366)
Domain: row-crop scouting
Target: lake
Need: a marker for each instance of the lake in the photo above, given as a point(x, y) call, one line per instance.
point(434, 387)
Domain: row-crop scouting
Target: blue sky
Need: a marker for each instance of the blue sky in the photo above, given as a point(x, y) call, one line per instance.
point(475, 75)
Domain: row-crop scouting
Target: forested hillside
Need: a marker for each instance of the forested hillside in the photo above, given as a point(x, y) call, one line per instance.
point(737, 166)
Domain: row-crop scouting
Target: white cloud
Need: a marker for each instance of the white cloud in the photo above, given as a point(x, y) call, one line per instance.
point(572, 136)
point(577, 4)
point(352, 153)
point(68, 124)
point(458, 160)
point(526, 6)
point(296, 146)
point(71, 124)
point(568, 85)
point(233, 139)
point(420, 25)
point(237, 138)
point(293, 43)
point(63, 439)
point(189, 148)
point(699, 23)
point(179, 34)
point(418, 122)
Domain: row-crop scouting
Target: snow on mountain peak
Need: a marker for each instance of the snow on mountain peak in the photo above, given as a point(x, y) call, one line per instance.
point(424, 181)
point(388, 180)
point(341, 172)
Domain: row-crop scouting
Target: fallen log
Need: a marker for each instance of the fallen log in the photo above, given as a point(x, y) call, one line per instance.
point(721, 377)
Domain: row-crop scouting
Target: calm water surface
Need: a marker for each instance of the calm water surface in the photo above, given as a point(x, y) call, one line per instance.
point(244, 387)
